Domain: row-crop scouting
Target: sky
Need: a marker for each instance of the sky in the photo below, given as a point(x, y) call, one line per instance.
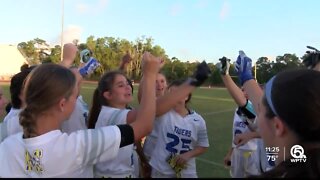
point(187, 29)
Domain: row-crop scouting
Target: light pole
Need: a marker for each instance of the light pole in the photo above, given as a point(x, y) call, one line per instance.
point(62, 22)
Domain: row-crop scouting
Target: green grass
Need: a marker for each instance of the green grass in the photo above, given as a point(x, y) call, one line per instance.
point(216, 107)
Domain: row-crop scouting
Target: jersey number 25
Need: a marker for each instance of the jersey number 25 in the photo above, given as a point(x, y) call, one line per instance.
point(171, 146)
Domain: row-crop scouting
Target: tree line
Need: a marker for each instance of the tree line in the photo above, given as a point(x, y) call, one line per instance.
point(109, 51)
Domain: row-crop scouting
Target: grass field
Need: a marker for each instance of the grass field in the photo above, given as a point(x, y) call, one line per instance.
point(216, 107)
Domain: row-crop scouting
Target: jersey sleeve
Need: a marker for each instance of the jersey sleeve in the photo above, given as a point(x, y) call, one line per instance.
point(127, 134)
point(202, 134)
point(122, 117)
point(96, 145)
point(114, 117)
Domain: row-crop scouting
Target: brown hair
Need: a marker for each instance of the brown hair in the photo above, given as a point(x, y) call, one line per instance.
point(44, 87)
point(179, 82)
point(105, 84)
point(296, 99)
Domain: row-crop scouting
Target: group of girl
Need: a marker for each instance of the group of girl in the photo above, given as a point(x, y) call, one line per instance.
point(49, 146)
point(285, 113)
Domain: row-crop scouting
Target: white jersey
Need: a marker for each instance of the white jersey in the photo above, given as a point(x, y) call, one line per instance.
point(57, 154)
point(240, 127)
point(122, 164)
point(177, 134)
point(151, 141)
point(78, 118)
point(11, 124)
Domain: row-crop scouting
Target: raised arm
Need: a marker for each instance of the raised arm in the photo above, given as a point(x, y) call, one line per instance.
point(312, 58)
point(141, 81)
point(125, 61)
point(254, 92)
point(232, 88)
point(69, 54)
point(140, 89)
point(252, 88)
point(169, 100)
point(143, 123)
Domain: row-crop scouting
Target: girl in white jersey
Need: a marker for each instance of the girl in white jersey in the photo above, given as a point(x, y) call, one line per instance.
point(11, 121)
point(42, 150)
point(151, 139)
point(109, 102)
point(114, 91)
point(244, 156)
point(181, 132)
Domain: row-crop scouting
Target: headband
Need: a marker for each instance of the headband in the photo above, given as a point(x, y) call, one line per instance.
point(268, 91)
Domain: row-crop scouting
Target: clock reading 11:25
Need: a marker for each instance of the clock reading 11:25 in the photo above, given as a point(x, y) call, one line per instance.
point(272, 149)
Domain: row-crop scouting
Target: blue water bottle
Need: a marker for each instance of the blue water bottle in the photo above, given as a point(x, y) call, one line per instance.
point(89, 67)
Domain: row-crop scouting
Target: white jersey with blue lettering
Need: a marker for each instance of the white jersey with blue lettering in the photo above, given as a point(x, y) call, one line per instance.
point(78, 118)
point(57, 154)
point(177, 134)
point(122, 164)
point(11, 123)
point(239, 127)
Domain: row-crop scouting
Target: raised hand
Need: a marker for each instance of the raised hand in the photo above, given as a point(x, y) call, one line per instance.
point(312, 58)
point(69, 54)
point(224, 65)
point(162, 62)
point(126, 59)
point(150, 63)
point(243, 67)
point(200, 75)
point(85, 55)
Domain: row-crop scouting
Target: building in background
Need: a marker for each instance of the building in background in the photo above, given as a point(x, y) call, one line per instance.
point(10, 61)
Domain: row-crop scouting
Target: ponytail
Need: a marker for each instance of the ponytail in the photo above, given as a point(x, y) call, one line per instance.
point(27, 121)
point(94, 110)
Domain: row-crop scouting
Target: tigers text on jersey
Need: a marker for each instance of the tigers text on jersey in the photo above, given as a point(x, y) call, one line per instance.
point(240, 127)
point(78, 118)
point(122, 164)
point(57, 154)
point(177, 134)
